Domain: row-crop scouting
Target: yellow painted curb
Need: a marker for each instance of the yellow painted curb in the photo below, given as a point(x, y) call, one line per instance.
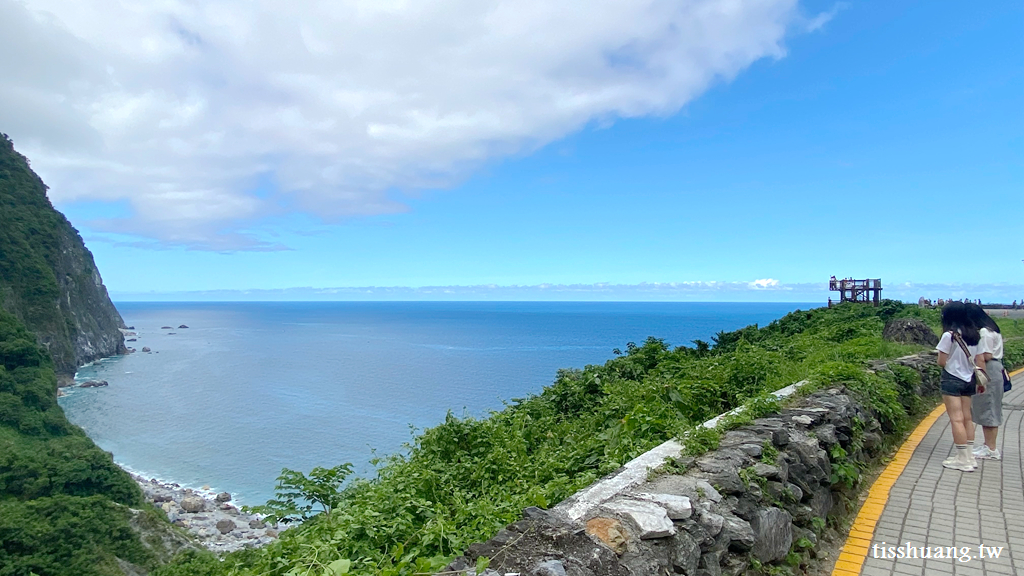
point(855, 551)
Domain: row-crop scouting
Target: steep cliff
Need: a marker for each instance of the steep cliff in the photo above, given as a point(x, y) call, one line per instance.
point(48, 279)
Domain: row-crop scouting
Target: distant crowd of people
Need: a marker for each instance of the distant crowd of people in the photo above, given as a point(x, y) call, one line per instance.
point(927, 302)
point(971, 342)
point(939, 303)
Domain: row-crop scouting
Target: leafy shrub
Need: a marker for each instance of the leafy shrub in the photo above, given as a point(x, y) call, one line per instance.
point(297, 494)
point(67, 536)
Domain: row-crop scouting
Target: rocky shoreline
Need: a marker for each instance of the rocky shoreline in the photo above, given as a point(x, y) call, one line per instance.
point(210, 518)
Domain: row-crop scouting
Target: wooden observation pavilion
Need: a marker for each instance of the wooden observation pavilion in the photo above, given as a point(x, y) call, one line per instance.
point(868, 291)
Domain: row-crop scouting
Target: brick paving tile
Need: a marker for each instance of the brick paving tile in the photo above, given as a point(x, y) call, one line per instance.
point(930, 506)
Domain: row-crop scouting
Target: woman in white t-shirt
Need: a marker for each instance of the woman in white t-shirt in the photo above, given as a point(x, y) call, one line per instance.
point(958, 349)
point(987, 407)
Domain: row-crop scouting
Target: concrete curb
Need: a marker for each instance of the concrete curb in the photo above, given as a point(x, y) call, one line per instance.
point(635, 472)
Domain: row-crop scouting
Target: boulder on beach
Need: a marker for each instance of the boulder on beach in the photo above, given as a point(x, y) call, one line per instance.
point(192, 504)
point(93, 384)
point(147, 349)
point(224, 526)
point(132, 340)
point(182, 326)
point(256, 524)
point(223, 497)
point(157, 499)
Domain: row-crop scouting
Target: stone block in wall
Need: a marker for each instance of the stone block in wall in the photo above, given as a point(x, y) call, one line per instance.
point(738, 532)
point(773, 534)
point(609, 532)
point(678, 507)
point(549, 568)
point(685, 553)
point(692, 487)
point(648, 519)
point(770, 471)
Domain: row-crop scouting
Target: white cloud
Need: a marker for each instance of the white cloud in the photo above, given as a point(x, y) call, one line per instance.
point(765, 283)
point(180, 108)
point(818, 22)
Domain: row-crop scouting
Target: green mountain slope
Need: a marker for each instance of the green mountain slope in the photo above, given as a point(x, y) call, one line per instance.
point(65, 508)
point(48, 279)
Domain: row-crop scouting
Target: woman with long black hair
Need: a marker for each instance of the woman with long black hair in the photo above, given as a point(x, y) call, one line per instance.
point(987, 407)
point(958, 349)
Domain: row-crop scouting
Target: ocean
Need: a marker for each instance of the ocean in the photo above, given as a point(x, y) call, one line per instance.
point(250, 388)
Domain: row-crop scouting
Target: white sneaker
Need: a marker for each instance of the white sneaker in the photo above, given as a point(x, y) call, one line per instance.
point(989, 454)
point(962, 461)
point(980, 451)
point(954, 464)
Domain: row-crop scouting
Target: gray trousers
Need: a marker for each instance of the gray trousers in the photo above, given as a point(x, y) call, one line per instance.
point(987, 408)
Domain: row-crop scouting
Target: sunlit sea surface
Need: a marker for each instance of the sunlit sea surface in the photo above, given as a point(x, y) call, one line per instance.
point(250, 388)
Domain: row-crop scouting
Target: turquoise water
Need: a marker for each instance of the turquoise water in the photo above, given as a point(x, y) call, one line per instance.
point(250, 388)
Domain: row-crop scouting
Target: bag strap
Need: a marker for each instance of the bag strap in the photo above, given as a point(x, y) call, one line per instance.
point(963, 346)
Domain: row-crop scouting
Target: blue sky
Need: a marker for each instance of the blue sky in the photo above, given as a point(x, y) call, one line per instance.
point(886, 142)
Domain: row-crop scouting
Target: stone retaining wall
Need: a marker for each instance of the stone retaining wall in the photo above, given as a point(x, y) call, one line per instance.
point(768, 485)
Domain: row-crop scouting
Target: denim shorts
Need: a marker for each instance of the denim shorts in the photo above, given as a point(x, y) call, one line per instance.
point(952, 386)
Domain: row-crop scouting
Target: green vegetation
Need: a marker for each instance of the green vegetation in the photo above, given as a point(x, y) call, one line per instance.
point(297, 494)
point(1013, 342)
point(27, 244)
point(47, 277)
point(64, 504)
point(464, 479)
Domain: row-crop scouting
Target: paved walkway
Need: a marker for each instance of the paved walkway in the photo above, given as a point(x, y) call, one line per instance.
point(930, 506)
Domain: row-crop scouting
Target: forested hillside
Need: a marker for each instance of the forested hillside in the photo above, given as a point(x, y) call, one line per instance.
point(48, 279)
point(65, 508)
